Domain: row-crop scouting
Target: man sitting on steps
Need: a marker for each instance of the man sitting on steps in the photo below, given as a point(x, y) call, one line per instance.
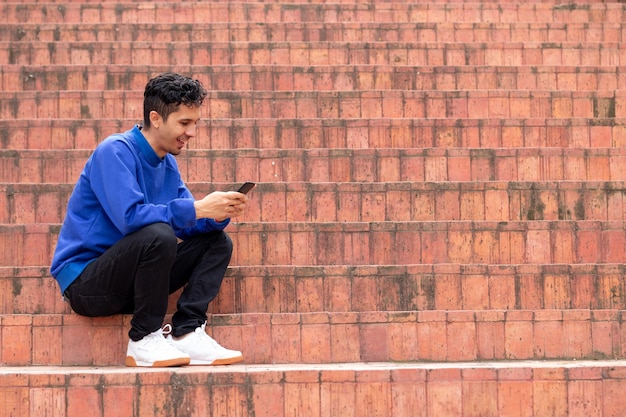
point(133, 234)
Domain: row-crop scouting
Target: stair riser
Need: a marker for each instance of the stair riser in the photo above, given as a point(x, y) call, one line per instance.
point(362, 289)
point(328, 105)
point(401, 243)
point(317, 32)
point(410, 391)
point(312, 53)
point(319, 78)
point(394, 202)
point(337, 337)
point(417, 391)
point(408, 134)
point(496, 12)
point(442, 170)
point(220, 134)
point(411, 291)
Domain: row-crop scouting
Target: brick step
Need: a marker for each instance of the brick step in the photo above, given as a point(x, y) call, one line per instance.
point(423, 287)
point(318, 78)
point(510, 388)
point(585, 11)
point(314, 53)
point(268, 31)
point(379, 243)
point(370, 201)
point(388, 104)
point(222, 134)
point(224, 167)
point(453, 336)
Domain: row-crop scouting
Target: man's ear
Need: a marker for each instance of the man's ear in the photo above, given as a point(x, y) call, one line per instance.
point(155, 119)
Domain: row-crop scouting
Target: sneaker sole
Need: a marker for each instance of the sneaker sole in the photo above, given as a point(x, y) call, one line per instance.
point(131, 362)
point(226, 361)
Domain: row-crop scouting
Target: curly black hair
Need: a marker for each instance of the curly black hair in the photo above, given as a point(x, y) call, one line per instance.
point(166, 92)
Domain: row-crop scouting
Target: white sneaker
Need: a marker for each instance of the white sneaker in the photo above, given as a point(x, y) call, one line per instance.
point(203, 349)
point(154, 351)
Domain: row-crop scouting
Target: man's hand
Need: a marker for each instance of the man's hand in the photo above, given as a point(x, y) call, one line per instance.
point(221, 205)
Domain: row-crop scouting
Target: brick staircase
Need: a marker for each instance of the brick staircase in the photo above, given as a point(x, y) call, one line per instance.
point(439, 226)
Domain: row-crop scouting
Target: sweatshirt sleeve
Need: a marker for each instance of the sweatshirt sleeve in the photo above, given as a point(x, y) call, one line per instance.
point(202, 225)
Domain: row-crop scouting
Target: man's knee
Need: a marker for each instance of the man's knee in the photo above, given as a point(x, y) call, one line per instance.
point(161, 237)
point(227, 243)
point(220, 244)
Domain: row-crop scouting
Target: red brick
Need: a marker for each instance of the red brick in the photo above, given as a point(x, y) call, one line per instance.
point(432, 343)
point(518, 337)
point(584, 398)
point(480, 398)
point(337, 399)
point(374, 342)
point(445, 398)
point(515, 398)
point(550, 397)
point(269, 400)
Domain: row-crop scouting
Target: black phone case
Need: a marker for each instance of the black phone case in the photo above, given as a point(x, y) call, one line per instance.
point(246, 187)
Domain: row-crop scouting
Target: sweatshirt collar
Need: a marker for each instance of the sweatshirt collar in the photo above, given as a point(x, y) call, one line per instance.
point(144, 147)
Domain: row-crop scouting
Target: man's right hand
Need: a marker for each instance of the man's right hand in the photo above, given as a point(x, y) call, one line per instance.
point(221, 205)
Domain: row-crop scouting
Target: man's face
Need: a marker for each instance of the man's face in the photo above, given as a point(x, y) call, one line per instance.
point(171, 135)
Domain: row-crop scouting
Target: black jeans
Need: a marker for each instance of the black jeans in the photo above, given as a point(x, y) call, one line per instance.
point(137, 274)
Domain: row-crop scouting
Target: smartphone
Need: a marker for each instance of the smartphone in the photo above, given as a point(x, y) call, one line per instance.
point(246, 187)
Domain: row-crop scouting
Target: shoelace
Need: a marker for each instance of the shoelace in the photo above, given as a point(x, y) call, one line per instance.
point(166, 330)
point(202, 333)
point(154, 339)
point(212, 341)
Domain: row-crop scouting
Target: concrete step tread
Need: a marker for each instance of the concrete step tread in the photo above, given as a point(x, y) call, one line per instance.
point(349, 370)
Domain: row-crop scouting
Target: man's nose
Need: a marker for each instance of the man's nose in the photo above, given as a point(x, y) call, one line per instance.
point(191, 132)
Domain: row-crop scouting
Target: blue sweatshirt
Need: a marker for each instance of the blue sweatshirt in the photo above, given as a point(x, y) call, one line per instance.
point(124, 187)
